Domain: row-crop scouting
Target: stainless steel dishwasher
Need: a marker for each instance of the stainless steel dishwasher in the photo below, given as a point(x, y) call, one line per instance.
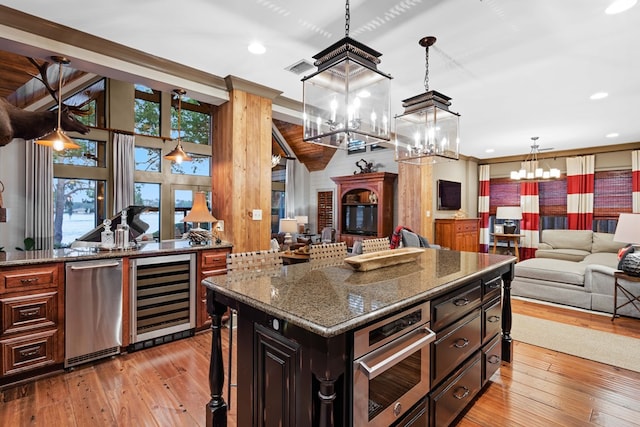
point(93, 310)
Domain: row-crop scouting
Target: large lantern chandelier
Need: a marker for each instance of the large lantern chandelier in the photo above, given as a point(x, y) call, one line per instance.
point(346, 103)
point(531, 169)
point(427, 129)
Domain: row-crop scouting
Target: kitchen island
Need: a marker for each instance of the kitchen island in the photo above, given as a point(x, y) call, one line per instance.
point(297, 328)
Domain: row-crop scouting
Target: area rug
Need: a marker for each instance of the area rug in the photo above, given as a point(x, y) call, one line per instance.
point(603, 347)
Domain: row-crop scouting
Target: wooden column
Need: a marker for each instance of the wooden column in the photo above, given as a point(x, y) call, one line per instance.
point(241, 178)
point(415, 198)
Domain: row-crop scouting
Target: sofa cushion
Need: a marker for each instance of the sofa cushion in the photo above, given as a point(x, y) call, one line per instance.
point(575, 255)
point(568, 239)
point(602, 258)
point(603, 242)
point(552, 270)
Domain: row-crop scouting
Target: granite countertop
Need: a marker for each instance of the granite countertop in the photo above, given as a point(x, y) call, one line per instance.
point(16, 258)
point(331, 300)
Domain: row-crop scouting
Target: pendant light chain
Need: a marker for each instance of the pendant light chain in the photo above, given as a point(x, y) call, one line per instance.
point(59, 93)
point(179, 114)
point(426, 69)
point(347, 18)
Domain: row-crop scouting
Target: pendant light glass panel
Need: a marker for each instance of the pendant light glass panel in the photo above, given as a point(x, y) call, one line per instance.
point(426, 134)
point(344, 102)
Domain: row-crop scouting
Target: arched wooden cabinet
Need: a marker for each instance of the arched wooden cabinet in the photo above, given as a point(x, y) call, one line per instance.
point(365, 206)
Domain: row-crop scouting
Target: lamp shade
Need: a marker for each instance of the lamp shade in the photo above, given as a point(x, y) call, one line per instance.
point(288, 225)
point(57, 140)
point(199, 211)
point(509, 212)
point(628, 229)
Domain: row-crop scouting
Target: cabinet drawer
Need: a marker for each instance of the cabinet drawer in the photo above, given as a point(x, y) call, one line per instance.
point(453, 306)
point(26, 313)
point(213, 261)
point(491, 358)
point(491, 287)
point(454, 395)
point(466, 226)
point(492, 319)
point(455, 344)
point(28, 352)
point(21, 278)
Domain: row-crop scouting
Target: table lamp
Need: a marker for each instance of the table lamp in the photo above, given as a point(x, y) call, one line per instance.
point(509, 214)
point(628, 229)
point(288, 226)
point(301, 221)
point(199, 213)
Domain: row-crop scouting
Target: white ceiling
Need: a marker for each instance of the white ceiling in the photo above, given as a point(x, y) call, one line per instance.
point(515, 69)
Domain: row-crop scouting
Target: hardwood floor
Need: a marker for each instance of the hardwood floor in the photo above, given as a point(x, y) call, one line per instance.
point(168, 386)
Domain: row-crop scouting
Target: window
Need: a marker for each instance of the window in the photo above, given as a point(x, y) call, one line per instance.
point(79, 207)
point(148, 159)
point(90, 154)
point(199, 166)
point(91, 100)
point(195, 121)
point(147, 111)
point(148, 194)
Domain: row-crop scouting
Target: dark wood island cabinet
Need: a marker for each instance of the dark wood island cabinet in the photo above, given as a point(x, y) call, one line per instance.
point(302, 328)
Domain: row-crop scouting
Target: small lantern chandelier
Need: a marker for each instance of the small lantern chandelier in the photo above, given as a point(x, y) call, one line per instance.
point(58, 140)
point(531, 170)
point(178, 155)
point(427, 129)
point(347, 101)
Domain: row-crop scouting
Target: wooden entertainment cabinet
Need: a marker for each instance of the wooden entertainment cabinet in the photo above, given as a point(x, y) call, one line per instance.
point(458, 234)
point(365, 206)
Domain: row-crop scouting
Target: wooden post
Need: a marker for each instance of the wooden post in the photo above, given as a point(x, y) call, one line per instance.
point(216, 408)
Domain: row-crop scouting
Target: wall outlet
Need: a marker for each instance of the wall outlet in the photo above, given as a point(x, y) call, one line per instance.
point(257, 214)
point(220, 225)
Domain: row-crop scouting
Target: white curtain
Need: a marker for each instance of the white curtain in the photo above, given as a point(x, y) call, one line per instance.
point(290, 189)
point(39, 195)
point(635, 183)
point(123, 167)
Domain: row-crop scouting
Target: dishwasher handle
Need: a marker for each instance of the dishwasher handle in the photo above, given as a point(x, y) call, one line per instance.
point(92, 266)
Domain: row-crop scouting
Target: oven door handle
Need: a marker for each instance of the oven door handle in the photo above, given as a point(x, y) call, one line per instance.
point(376, 363)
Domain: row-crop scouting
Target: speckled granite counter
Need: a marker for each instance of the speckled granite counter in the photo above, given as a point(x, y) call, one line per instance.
point(331, 300)
point(17, 258)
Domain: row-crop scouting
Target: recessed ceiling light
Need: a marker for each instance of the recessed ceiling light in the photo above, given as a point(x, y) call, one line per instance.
point(489, 150)
point(256, 48)
point(619, 6)
point(612, 135)
point(599, 95)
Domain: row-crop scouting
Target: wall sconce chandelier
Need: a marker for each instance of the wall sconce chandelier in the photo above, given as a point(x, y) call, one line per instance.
point(427, 129)
point(58, 140)
point(531, 170)
point(178, 155)
point(275, 160)
point(348, 99)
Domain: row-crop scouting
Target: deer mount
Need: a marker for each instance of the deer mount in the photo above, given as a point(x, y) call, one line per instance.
point(19, 123)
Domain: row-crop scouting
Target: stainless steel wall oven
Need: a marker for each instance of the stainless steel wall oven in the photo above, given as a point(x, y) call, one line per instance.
point(391, 367)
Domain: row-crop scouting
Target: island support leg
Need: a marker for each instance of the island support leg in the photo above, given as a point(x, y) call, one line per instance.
point(327, 395)
point(507, 341)
point(216, 410)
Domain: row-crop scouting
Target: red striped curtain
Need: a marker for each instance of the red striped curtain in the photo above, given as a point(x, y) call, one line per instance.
point(635, 180)
point(580, 184)
point(483, 207)
point(530, 219)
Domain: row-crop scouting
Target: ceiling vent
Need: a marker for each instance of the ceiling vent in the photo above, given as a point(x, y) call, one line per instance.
point(300, 67)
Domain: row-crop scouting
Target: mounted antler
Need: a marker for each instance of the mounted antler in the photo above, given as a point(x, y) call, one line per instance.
point(18, 123)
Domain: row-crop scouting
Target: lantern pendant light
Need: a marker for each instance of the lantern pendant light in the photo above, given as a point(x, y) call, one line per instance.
point(427, 130)
point(58, 140)
point(346, 102)
point(178, 155)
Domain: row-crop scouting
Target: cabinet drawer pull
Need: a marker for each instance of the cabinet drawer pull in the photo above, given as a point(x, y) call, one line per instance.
point(493, 285)
point(493, 319)
point(29, 352)
point(461, 302)
point(493, 359)
point(461, 343)
point(461, 392)
point(29, 280)
point(29, 313)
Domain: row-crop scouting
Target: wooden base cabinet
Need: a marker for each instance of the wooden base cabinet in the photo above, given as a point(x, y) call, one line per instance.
point(211, 262)
point(32, 313)
point(458, 234)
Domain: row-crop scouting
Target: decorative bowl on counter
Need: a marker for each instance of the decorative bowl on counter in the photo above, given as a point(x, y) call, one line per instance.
point(380, 259)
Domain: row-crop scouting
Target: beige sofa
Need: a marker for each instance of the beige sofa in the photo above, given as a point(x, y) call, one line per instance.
point(573, 267)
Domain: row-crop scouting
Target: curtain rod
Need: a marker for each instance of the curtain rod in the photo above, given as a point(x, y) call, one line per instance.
point(128, 132)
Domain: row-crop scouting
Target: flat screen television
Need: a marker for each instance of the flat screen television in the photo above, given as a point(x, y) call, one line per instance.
point(449, 195)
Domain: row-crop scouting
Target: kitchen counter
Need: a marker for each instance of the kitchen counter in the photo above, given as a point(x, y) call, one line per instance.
point(313, 310)
point(23, 258)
